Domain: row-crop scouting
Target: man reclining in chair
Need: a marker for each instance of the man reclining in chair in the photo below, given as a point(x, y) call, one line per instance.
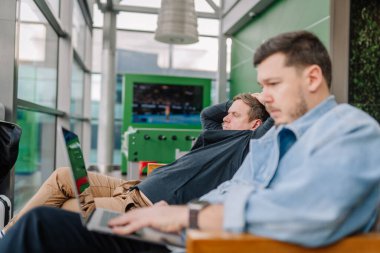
point(311, 180)
point(177, 183)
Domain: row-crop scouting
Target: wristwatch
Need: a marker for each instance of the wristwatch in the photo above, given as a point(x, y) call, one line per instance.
point(195, 206)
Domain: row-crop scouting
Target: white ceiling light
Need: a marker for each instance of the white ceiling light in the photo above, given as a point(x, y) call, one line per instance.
point(177, 22)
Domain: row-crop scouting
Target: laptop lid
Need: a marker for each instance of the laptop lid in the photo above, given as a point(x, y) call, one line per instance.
point(79, 173)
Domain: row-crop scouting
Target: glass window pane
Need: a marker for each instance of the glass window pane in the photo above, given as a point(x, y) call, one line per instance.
point(38, 57)
point(98, 17)
point(95, 99)
point(208, 26)
point(78, 31)
point(200, 5)
point(54, 4)
point(203, 6)
point(76, 126)
point(117, 142)
point(95, 95)
point(36, 154)
point(145, 3)
point(97, 42)
point(140, 53)
point(77, 83)
point(137, 21)
point(137, 52)
point(94, 141)
point(200, 56)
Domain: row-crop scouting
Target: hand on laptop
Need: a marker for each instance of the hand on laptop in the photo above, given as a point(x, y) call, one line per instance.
point(162, 217)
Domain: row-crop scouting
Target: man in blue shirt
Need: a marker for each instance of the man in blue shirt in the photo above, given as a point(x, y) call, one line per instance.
point(311, 180)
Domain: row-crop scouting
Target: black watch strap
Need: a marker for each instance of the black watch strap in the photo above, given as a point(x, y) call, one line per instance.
point(194, 208)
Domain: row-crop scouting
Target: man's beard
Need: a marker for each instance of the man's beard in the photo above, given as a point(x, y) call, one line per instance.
point(300, 108)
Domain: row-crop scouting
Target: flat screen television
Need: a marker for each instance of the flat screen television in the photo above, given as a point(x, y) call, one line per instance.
point(165, 101)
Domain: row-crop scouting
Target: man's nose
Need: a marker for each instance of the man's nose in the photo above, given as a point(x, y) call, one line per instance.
point(266, 96)
point(226, 118)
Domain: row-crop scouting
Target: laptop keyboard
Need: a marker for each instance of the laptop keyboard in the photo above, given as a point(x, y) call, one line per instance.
point(106, 217)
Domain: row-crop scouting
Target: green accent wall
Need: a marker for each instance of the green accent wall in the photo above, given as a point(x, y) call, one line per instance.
point(282, 16)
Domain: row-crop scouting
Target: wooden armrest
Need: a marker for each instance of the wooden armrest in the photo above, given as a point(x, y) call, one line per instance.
point(222, 242)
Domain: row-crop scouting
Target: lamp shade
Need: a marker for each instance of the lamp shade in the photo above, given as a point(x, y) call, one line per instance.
point(177, 22)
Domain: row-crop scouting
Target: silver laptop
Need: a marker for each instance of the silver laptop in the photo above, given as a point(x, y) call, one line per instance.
point(97, 219)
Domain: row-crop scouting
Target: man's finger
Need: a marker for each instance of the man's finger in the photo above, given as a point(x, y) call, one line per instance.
point(127, 229)
point(120, 220)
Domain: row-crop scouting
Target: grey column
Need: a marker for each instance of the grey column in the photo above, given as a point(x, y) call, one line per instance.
point(8, 83)
point(221, 79)
point(340, 48)
point(65, 60)
point(107, 102)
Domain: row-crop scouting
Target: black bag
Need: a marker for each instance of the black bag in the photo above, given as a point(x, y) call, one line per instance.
point(9, 139)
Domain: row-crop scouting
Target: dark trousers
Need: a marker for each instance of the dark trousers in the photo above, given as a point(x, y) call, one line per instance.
point(49, 230)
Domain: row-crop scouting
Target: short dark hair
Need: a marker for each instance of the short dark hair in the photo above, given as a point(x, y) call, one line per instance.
point(301, 49)
point(257, 110)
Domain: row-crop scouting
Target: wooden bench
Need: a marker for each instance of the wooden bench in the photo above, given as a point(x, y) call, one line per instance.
point(223, 242)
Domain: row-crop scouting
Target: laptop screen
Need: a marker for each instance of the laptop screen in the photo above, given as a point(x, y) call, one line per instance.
point(79, 172)
point(76, 160)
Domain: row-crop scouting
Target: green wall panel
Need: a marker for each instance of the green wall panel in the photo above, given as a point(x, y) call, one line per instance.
point(282, 16)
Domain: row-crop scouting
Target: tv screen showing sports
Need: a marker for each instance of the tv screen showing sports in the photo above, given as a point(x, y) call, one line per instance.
point(154, 101)
point(166, 104)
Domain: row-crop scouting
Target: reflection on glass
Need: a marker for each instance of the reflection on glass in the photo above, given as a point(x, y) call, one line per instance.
point(77, 82)
point(79, 31)
point(36, 154)
point(38, 54)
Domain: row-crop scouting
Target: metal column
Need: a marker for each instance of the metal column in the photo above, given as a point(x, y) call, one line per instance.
point(222, 61)
point(107, 102)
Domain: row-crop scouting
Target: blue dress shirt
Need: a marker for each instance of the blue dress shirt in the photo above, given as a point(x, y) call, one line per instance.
point(324, 187)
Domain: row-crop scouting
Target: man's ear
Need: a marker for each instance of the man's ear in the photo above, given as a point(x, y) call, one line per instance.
point(314, 77)
point(256, 123)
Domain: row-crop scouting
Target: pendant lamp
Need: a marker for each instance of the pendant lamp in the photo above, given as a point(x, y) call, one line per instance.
point(177, 22)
